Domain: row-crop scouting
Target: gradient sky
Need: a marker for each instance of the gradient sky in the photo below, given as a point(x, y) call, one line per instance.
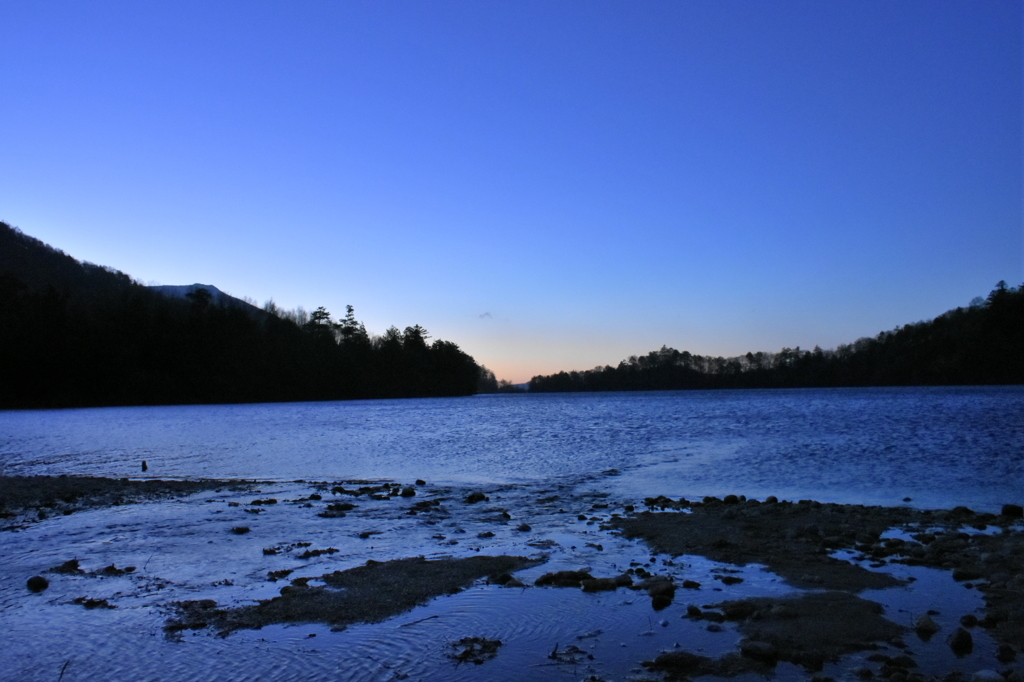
point(551, 185)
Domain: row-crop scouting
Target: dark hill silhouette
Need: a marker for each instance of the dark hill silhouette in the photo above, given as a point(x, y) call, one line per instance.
point(76, 334)
point(981, 344)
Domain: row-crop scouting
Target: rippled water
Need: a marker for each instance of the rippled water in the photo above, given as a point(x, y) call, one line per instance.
point(939, 446)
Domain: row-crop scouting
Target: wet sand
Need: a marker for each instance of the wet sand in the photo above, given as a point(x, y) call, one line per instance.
point(830, 553)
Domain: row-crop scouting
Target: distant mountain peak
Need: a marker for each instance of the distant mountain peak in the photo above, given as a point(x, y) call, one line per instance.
point(217, 296)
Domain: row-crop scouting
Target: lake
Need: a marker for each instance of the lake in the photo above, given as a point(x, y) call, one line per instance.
point(941, 447)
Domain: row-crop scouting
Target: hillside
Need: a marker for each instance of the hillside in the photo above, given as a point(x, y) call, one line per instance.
point(981, 344)
point(76, 334)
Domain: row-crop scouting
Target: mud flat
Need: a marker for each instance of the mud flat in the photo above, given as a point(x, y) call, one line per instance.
point(28, 498)
point(799, 541)
point(537, 582)
point(365, 594)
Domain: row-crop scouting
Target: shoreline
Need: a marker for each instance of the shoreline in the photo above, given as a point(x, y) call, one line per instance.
point(815, 548)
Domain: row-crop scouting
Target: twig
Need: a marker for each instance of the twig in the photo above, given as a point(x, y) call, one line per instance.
point(405, 625)
point(63, 668)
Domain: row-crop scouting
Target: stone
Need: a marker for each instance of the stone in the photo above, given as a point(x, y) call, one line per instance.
point(987, 676)
point(599, 584)
point(660, 602)
point(962, 574)
point(37, 583)
point(925, 626)
point(760, 651)
point(678, 662)
point(961, 642)
point(1014, 511)
point(563, 579)
point(661, 588)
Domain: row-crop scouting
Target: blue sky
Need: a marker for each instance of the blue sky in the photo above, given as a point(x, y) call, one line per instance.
point(551, 185)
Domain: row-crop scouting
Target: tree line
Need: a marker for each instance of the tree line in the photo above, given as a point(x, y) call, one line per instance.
point(74, 334)
point(980, 344)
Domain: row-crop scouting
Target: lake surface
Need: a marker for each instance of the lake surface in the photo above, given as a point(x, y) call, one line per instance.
point(940, 447)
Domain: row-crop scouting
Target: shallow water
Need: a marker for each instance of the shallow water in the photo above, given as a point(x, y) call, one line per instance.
point(185, 550)
point(941, 447)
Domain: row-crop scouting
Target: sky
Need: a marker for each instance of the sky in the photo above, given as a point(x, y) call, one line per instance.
point(551, 185)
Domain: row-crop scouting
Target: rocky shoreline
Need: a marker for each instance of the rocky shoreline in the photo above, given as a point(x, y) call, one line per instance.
point(830, 552)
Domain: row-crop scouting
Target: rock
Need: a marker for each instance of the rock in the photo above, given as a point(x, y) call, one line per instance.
point(473, 498)
point(729, 579)
point(409, 492)
point(661, 588)
point(925, 626)
point(731, 499)
point(714, 627)
point(1014, 511)
point(240, 530)
point(69, 567)
point(678, 662)
point(1006, 654)
point(599, 584)
point(693, 611)
point(524, 527)
point(784, 612)
point(739, 610)
point(474, 649)
point(37, 583)
point(563, 579)
point(760, 651)
point(961, 642)
point(987, 676)
point(962, 574)
point(969, 621)
point(93, 603)
point(144, 466)
point(691, 584)
point(420, 481)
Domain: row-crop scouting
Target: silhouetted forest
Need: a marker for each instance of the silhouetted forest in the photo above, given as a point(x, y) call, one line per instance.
point(76, 334)
point(981, 344)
